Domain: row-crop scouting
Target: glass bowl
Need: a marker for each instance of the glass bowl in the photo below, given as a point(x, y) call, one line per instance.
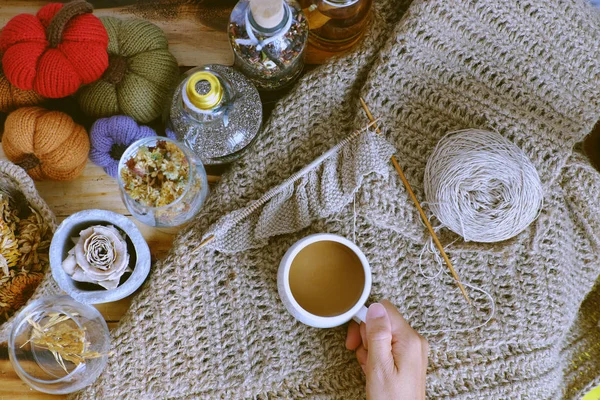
point(185, 207)
point(37, 366)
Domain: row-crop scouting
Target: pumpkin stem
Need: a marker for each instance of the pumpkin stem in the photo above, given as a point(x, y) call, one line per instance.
point(70, 10)
point(29, 162)
point(117, 68)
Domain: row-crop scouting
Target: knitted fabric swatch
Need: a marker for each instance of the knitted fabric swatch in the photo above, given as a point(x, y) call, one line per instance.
point(317, 191)
point(209, 324)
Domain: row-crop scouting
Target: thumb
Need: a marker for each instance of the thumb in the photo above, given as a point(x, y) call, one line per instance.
point(379, 338)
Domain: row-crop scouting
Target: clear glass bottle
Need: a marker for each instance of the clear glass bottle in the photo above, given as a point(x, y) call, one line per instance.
point(36, 365)
point(216, 112)
point(269, 38)
point(336, 25)
point(183, 171)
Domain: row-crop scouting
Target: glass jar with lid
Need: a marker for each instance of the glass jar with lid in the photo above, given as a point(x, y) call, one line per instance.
point(269, 38)
point(216, 112)
point(336, 25)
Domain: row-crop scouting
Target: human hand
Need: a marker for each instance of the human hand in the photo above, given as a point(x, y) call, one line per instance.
point(393, 356)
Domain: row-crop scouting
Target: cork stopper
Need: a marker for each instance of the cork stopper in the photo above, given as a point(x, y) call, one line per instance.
point(267, 13)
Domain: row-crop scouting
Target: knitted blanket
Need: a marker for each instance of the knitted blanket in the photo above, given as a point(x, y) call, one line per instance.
point(209, 323)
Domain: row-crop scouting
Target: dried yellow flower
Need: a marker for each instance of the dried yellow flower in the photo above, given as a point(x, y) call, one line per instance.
point(34, 242)
point(63, 338)
point(9, 248)
point(15, 291)
point(24, 247)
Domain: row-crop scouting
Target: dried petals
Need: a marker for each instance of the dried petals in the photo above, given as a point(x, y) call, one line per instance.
point(16, 290)
point(24, 246)
point(156, 176)
point(63, 338)
point(100, 256)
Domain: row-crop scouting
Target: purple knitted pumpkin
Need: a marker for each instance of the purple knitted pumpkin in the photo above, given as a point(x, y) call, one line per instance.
point(110, 137)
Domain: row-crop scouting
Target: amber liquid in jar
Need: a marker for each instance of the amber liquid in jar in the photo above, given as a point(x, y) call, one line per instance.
point(336, 25)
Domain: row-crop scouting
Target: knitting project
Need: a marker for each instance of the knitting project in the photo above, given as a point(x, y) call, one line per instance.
point(209, 324)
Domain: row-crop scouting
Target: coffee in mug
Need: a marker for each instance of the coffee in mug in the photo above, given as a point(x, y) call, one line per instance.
point(324, 280)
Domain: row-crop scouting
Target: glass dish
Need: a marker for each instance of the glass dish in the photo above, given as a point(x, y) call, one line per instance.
point(183, 208)
point(37, 366)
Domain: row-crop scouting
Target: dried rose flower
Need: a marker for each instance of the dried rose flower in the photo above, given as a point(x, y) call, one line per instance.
point(99, 256)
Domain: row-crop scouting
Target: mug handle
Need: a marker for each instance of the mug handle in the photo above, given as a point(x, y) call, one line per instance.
point(361, 315)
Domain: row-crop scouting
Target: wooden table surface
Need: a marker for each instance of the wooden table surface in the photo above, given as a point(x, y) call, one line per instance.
point(196, 33)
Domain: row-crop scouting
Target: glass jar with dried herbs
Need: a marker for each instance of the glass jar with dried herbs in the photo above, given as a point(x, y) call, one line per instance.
point(268, 38)
point(162, 183)
point(336, 25)
point(58, 345)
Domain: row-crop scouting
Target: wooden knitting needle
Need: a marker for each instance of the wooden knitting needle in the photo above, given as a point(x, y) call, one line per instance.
point(423, 216)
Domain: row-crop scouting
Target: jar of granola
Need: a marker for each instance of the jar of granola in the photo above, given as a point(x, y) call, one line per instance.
point(268, 38)
point(162, 183)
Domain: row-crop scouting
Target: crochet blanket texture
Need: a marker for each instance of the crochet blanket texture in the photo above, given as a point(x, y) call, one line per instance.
point(209, 324)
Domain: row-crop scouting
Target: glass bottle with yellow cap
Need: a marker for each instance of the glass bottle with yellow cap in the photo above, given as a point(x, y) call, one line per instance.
point(216, 112)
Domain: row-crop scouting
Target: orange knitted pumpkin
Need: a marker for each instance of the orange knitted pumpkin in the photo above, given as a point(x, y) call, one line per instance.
point(12, 97)
point(47, 144)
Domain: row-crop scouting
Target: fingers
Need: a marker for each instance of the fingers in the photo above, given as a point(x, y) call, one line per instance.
point(408, 347)
point(379, 338)
point(353, 337)
point(399, 324)
point(362, 356)
point(363, 335)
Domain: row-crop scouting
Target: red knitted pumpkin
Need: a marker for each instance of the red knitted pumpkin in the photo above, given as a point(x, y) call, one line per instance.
point(56, 51)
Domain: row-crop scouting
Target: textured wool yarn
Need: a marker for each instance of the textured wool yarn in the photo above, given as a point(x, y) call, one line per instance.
point(47, 144)
point(140, 75)
point(109, 137)
point(11, 97)
point(482, 186)
point(55, 51)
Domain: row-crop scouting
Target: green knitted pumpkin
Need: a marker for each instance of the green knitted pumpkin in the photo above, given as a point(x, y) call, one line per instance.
point(140, 74)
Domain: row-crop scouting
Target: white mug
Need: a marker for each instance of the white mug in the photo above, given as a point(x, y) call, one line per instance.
point(358, 312)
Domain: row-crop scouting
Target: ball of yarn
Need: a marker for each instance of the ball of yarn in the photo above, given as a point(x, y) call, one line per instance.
point(481, 186)
point(110, 137)
point(140, 75)
point(12, 97)
point(55, 51)
point(47, 144)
